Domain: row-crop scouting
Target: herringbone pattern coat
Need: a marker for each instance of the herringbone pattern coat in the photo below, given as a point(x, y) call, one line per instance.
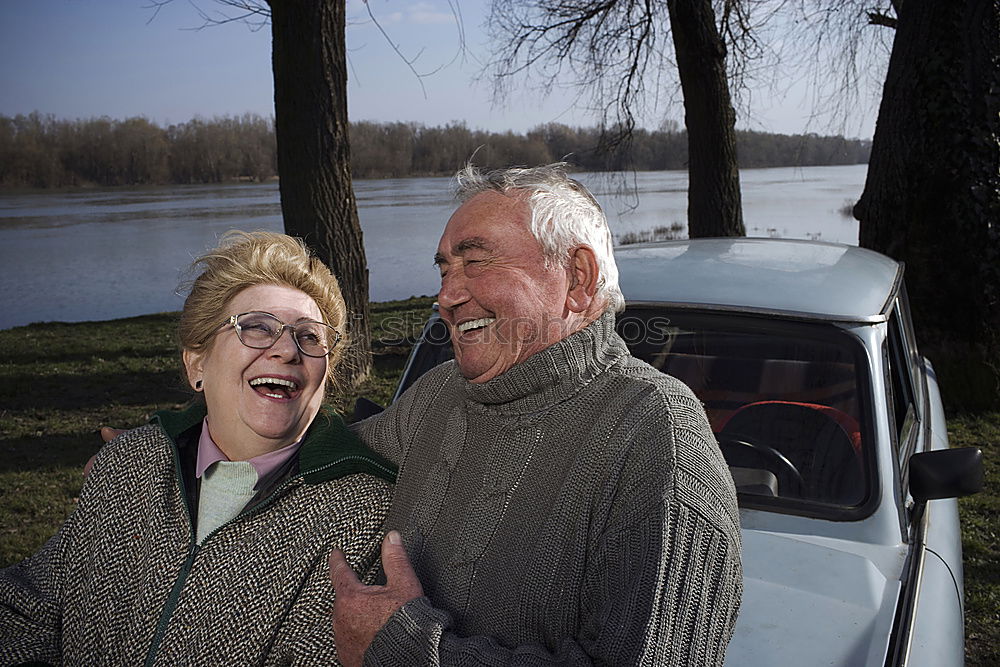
point(123, 582)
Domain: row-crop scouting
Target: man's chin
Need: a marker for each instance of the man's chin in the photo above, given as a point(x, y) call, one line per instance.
point(478, 371)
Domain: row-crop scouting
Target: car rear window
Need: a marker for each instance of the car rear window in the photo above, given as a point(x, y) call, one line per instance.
point(782, 398)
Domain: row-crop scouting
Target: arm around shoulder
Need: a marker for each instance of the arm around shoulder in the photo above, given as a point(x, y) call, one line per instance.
point(388, 432)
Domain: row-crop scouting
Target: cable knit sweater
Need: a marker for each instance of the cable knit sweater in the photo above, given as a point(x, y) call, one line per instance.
point(574, 510)
point(125, 583)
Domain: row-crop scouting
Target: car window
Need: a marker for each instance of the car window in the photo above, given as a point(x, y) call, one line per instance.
point(901, 312)
point(433, 348)
point(782, 398)
point(902, 396)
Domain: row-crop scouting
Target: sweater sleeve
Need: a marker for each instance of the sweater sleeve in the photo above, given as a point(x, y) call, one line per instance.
point(663, 579)
point(31, 597)
point(380, 433)
point(32, 592)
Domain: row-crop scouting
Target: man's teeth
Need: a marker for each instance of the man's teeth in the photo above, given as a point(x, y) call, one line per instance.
point(475, 324)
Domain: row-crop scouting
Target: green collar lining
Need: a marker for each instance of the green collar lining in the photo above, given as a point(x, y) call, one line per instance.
point(329, 451)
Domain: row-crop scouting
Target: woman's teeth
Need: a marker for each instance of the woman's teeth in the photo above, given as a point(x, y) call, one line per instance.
point(278, 387)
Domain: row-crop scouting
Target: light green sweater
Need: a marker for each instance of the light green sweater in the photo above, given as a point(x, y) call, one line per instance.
point(226, 488)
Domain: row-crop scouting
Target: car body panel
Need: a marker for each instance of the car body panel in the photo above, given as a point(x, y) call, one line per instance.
point(939, 629)
point(824, 280)
point(792, 616)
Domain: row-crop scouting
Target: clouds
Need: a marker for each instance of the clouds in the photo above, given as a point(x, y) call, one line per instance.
point(425, 13)
point(414, 13)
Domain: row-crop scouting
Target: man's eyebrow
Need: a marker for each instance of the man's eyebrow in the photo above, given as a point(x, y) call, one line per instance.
point(472, 243)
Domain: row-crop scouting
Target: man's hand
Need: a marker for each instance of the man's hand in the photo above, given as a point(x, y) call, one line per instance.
point(358, 610)
point(107, 435)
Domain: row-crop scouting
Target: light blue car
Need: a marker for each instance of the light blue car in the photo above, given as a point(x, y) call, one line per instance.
point(805, 358)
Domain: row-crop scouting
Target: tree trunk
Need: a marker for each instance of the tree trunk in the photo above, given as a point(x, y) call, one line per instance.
point(714, 203)
point(932, 197)
point(311, 128)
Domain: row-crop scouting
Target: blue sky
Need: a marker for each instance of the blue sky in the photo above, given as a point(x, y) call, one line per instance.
point(86, 58)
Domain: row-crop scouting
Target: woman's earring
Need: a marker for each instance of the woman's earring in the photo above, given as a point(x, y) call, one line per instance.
point(197, 385)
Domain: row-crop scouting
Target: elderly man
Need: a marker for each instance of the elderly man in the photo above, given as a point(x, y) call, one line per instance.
point(561, 502)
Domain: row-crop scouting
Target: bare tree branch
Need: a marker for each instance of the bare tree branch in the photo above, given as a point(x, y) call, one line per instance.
point(410, 62)
point(255, 15)
point(609, 51)
point(830, 45)
point(880, 18)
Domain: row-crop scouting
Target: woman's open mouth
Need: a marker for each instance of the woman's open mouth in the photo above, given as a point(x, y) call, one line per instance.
point(273, 387)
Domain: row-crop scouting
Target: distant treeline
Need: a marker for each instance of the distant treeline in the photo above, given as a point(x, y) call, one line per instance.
point(39, 151)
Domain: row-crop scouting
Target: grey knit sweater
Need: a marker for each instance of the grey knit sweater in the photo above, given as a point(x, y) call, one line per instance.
point(125, 583)
point(574, 510)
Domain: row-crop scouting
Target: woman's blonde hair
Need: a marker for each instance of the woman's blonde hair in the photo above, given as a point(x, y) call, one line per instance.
point(246, 259)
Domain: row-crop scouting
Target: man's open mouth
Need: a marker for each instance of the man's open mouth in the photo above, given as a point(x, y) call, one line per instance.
point(275, 387)
point(475, 324)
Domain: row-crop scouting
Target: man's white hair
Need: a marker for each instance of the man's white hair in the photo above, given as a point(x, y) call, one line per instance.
point(563, 214)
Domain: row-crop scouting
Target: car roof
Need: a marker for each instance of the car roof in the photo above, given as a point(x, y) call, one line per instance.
point(806, 279)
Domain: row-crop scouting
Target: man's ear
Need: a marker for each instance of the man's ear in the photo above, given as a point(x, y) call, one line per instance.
point(583, 278)
point(194, 364)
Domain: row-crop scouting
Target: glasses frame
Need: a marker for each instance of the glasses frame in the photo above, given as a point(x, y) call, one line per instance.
point(234, 322)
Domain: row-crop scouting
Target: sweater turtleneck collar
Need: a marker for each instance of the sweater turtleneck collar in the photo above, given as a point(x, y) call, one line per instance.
point(554, 374)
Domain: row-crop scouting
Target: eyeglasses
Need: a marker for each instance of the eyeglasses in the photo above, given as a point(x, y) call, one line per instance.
point(261, 330)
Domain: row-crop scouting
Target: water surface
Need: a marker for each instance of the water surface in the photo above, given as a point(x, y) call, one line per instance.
point(103, 254)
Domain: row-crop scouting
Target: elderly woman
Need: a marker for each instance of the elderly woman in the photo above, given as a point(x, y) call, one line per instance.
point(202, 537)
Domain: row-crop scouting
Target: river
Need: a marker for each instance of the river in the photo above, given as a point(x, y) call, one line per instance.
point(102, 254)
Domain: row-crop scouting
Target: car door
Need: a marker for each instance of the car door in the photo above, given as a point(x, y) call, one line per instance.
point(929, 626)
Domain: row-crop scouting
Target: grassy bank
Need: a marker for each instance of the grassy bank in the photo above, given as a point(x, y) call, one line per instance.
point(60, 382)
point(981, 540)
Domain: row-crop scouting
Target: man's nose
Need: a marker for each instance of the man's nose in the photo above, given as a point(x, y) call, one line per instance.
point(453, 290)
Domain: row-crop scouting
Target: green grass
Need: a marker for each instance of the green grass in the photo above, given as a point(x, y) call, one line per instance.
point(60, 382)
point(980, 516)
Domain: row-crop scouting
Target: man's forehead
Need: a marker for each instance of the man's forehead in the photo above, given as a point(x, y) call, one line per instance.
point(490, 220)
point(490, 207)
